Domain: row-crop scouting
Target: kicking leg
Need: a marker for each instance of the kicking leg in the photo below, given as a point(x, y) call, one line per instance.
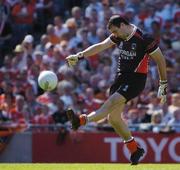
point(112, 103)
point(112, 108)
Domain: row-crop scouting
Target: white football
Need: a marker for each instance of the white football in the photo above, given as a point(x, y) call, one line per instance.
point(47, 80)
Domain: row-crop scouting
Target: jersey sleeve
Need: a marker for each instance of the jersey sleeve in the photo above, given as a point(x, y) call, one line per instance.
point(150, 44)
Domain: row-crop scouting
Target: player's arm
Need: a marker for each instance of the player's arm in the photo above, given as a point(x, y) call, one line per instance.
point(90, 51)
point(97, 48)
point(158, 57)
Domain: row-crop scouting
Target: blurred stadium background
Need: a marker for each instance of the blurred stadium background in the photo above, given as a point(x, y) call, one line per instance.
point(37, 35)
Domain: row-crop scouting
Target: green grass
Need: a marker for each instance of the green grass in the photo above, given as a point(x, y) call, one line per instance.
point(94, 166)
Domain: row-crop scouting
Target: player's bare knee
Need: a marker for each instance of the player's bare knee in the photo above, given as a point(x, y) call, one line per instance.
point(112, 119)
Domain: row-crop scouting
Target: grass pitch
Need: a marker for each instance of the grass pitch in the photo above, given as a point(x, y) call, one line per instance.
point(94, 166)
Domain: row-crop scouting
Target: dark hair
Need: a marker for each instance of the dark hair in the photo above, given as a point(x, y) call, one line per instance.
point(116, 20)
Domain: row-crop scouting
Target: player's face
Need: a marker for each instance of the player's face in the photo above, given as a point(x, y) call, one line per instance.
point(118, 31)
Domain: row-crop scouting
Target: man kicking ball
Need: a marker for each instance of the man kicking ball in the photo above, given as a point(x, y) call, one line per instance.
point(135, 49)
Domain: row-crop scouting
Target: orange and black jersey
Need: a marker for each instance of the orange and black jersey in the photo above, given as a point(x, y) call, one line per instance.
point(133, 52)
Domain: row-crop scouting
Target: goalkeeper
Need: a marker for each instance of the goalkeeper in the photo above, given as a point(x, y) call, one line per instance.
point(135, 49)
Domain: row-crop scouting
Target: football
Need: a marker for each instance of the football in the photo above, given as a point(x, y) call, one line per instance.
point(47, 80)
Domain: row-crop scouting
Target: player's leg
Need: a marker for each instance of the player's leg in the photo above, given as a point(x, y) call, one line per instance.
point(114, 115)
point(114, 102)
point(118, 123)
point(112, 107)
point(122, 129)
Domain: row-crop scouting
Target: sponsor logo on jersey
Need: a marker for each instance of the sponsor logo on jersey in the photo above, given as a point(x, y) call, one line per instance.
point(127, 54)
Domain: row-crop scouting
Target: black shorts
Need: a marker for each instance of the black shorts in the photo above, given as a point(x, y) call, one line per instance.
point(129, 85)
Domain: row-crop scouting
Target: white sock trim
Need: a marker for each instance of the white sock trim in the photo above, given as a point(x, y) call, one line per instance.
point(129, 140)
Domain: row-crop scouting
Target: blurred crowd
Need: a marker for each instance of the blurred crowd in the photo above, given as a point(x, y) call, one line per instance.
point(37, 35)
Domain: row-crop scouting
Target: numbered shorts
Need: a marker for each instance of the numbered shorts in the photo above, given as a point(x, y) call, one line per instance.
point(129, 85)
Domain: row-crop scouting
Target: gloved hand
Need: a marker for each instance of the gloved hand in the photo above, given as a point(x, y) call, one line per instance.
point(73, 59)
point(162, 91)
